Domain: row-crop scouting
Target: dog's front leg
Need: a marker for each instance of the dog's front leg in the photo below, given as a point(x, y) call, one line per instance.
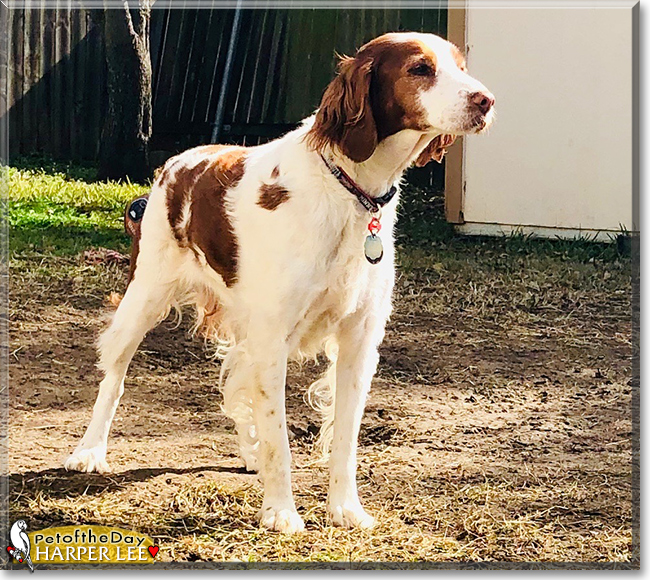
point(355, 366)
point(268, 368)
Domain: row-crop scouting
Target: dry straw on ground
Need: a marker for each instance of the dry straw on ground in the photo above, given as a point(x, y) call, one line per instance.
point(498, 427)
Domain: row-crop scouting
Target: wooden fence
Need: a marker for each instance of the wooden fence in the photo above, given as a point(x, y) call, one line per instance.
point(283, 59)
point(56, 75)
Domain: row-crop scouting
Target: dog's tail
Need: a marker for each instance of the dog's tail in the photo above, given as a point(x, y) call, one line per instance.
point(132, 222)
point(321, 396)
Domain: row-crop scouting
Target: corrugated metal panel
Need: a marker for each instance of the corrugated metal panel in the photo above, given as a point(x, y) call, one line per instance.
point(283, 62)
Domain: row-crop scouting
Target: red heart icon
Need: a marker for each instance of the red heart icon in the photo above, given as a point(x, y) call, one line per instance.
point(153, 550)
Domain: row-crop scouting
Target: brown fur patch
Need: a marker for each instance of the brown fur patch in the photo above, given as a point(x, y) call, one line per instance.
point(181, 177)
point(345, 118)
point(179, 194)
point(133, 230)
point(209, 227)
point(203, 186)
point(272, 195)
point(395, 97)
point(135, 250)
point(435, 150)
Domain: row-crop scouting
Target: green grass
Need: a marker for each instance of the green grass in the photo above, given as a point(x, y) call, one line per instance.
point(422, 228)
point(62, 210)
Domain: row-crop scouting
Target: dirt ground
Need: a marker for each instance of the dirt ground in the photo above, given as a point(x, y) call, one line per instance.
point(498, 426)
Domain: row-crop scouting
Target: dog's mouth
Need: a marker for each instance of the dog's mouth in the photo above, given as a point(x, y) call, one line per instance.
point(478, 123)
point(473, 125)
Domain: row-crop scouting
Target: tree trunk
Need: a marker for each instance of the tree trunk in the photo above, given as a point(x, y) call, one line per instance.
point(124, 148)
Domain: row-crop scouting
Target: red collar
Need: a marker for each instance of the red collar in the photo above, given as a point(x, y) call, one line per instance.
point(372, 204)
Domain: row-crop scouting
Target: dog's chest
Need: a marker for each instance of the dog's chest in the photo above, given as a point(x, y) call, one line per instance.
point(345, 284)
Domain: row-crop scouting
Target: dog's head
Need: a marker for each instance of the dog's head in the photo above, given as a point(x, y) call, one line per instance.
point(401, 81)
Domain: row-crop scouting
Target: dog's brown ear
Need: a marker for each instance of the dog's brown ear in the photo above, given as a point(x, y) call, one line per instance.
point(436, 149)
point(345, 117)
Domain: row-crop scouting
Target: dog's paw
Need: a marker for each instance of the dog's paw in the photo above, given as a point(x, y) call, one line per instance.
point(284, 520)
point(350, 514)
point(88, 460)
point(251, 462)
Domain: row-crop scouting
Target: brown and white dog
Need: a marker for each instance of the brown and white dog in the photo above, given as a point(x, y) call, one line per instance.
point(267, 243)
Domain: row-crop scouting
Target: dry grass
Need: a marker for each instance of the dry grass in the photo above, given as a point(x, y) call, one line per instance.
point(206, 520)
point(498, 428)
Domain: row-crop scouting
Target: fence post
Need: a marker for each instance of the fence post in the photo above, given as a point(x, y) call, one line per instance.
point(227, 73)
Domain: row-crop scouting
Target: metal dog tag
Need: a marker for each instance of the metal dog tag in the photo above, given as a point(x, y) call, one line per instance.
point(373, 248)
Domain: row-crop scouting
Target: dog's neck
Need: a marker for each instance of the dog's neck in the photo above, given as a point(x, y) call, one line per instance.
point(392, 157)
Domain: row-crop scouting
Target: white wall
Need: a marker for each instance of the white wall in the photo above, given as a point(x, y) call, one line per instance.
point(560, 152)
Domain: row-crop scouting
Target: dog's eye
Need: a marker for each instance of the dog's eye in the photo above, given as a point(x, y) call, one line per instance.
point(421, 70)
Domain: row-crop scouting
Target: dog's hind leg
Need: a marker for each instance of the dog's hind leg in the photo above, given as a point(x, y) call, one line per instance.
point(145, 303)
point(238, 404)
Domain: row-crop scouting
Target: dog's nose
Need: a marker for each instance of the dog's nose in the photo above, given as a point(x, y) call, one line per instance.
point(483, 101)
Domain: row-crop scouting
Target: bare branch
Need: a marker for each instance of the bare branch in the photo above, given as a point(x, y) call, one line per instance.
point(129, 20)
